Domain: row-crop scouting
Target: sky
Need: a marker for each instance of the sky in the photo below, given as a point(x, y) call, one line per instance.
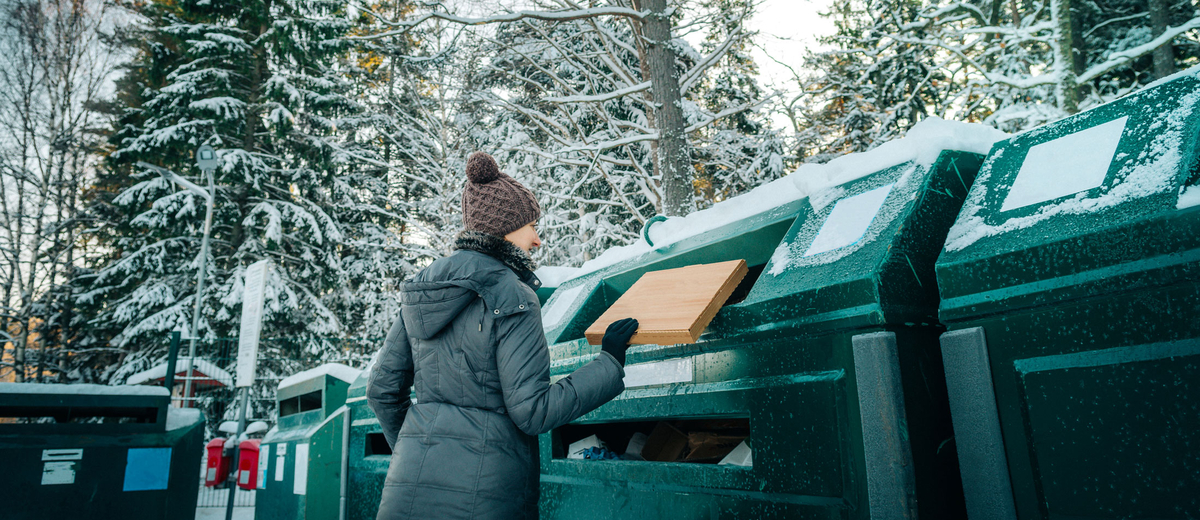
point(786, 29)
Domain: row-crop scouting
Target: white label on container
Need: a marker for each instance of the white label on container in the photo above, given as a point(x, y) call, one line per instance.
point(1067, 165)
point(244, 478)
point(58, 473)
point(660, 373)
point(848, 221)
point(300, 483)
point(280, 461)
point(212, 475)
point(59, 467)
point(68, 454)
point(264, 462)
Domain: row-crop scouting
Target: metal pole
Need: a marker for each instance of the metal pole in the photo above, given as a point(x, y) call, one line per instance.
point(187, 382)
point(172, 356)
point(237, 446)
point(342, 513)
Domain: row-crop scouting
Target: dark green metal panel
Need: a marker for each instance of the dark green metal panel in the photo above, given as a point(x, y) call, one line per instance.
point(103, 486)
point(320, 432)
point(1089, 316)
point(783, 358)
point(368, 460)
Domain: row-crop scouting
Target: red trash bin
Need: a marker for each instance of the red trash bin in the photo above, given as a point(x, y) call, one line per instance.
point(217, 467)
point(248, 464)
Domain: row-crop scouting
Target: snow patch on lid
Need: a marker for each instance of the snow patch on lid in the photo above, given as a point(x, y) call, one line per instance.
point(553, 275)
point(181, 417)
point(80, 389)
point(1188, 196)
point(921, 145)
point(1153, 171)
point(337, 370)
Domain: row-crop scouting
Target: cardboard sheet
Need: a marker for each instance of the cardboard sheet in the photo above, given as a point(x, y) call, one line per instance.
point(674, 305)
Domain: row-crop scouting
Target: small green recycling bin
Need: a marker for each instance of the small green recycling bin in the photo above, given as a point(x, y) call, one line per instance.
point(369, 455)
point(816, 390)
point(94, 451)
point(1071, 285)
point(304, 452)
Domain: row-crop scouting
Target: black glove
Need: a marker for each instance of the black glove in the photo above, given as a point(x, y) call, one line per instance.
point(616, 338)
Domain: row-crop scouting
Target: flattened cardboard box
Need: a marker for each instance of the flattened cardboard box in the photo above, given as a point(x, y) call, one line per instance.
point(675, 305)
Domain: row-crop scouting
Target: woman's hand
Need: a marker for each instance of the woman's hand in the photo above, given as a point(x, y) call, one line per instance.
point(616, 338)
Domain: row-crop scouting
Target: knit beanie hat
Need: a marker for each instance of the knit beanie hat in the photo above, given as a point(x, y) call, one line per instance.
point(493, 202)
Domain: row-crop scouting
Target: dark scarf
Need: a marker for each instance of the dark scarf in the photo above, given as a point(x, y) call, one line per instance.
point(500, 249)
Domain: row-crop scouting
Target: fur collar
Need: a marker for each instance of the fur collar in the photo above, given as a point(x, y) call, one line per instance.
point(499, 248)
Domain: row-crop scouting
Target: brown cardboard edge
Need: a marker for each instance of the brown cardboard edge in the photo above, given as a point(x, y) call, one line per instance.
point(715, 305)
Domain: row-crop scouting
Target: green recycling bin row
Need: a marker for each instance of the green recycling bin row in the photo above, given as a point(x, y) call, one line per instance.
point(1065, 386)
point(302, 459)
point(94, 451)
point(1071, 287)
point(826, 365)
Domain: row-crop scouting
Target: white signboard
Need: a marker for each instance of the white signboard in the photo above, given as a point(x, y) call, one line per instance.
point(849, 221)
point(1065, 166)
point(255, 285)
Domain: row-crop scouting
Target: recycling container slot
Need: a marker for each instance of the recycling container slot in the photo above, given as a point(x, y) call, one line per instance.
point(696, 441)
point(300, 403)
point(81, 415)
point(376, 445)
point(743, 288)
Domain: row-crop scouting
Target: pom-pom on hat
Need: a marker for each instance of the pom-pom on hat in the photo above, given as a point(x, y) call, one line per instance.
point(493, 202)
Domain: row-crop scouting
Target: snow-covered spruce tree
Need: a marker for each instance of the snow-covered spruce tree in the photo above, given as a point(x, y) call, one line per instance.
point(1019, 65)
point(575, 117)
point(741, 151)
point(868, 88)
point(263, 81)
point(419, 87)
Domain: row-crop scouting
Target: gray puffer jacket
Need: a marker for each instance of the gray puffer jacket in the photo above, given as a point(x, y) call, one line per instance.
point(470, 339)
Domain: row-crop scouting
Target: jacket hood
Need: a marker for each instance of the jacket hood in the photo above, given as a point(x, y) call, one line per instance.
point(433, 298)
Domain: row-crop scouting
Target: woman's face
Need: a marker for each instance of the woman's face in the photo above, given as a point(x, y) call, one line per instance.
point(525, 238)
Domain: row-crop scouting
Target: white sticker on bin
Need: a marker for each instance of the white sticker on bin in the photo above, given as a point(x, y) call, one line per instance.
point(300, 480)
point(1065, 166)
point(659, 373)
point(264, 462)
point(280, 461)
point(59, 466)
point(848, 221)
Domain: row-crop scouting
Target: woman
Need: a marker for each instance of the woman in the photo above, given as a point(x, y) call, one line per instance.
point(470, 338)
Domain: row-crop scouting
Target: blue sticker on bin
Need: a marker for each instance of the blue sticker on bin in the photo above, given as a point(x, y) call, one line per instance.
point(147, 469)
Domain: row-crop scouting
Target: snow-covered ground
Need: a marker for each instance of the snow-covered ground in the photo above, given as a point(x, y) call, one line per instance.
point(218, 513)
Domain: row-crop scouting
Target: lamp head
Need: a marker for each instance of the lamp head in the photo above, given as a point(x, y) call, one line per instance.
point(206, 158)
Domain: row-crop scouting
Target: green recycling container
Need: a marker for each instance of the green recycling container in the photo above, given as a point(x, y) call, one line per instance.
point(1071, 287)
point(304, 452)
point(94, 451)
point(825, 360)
point(369, 455)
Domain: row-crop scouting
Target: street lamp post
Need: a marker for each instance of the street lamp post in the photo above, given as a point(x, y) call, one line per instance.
point(206, 160)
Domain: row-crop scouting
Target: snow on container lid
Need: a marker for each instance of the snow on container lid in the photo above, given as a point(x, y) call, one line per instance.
point(1066, 197)
point(921, 145)
point(862, 253)
point(82, 389)
point(335, 370)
